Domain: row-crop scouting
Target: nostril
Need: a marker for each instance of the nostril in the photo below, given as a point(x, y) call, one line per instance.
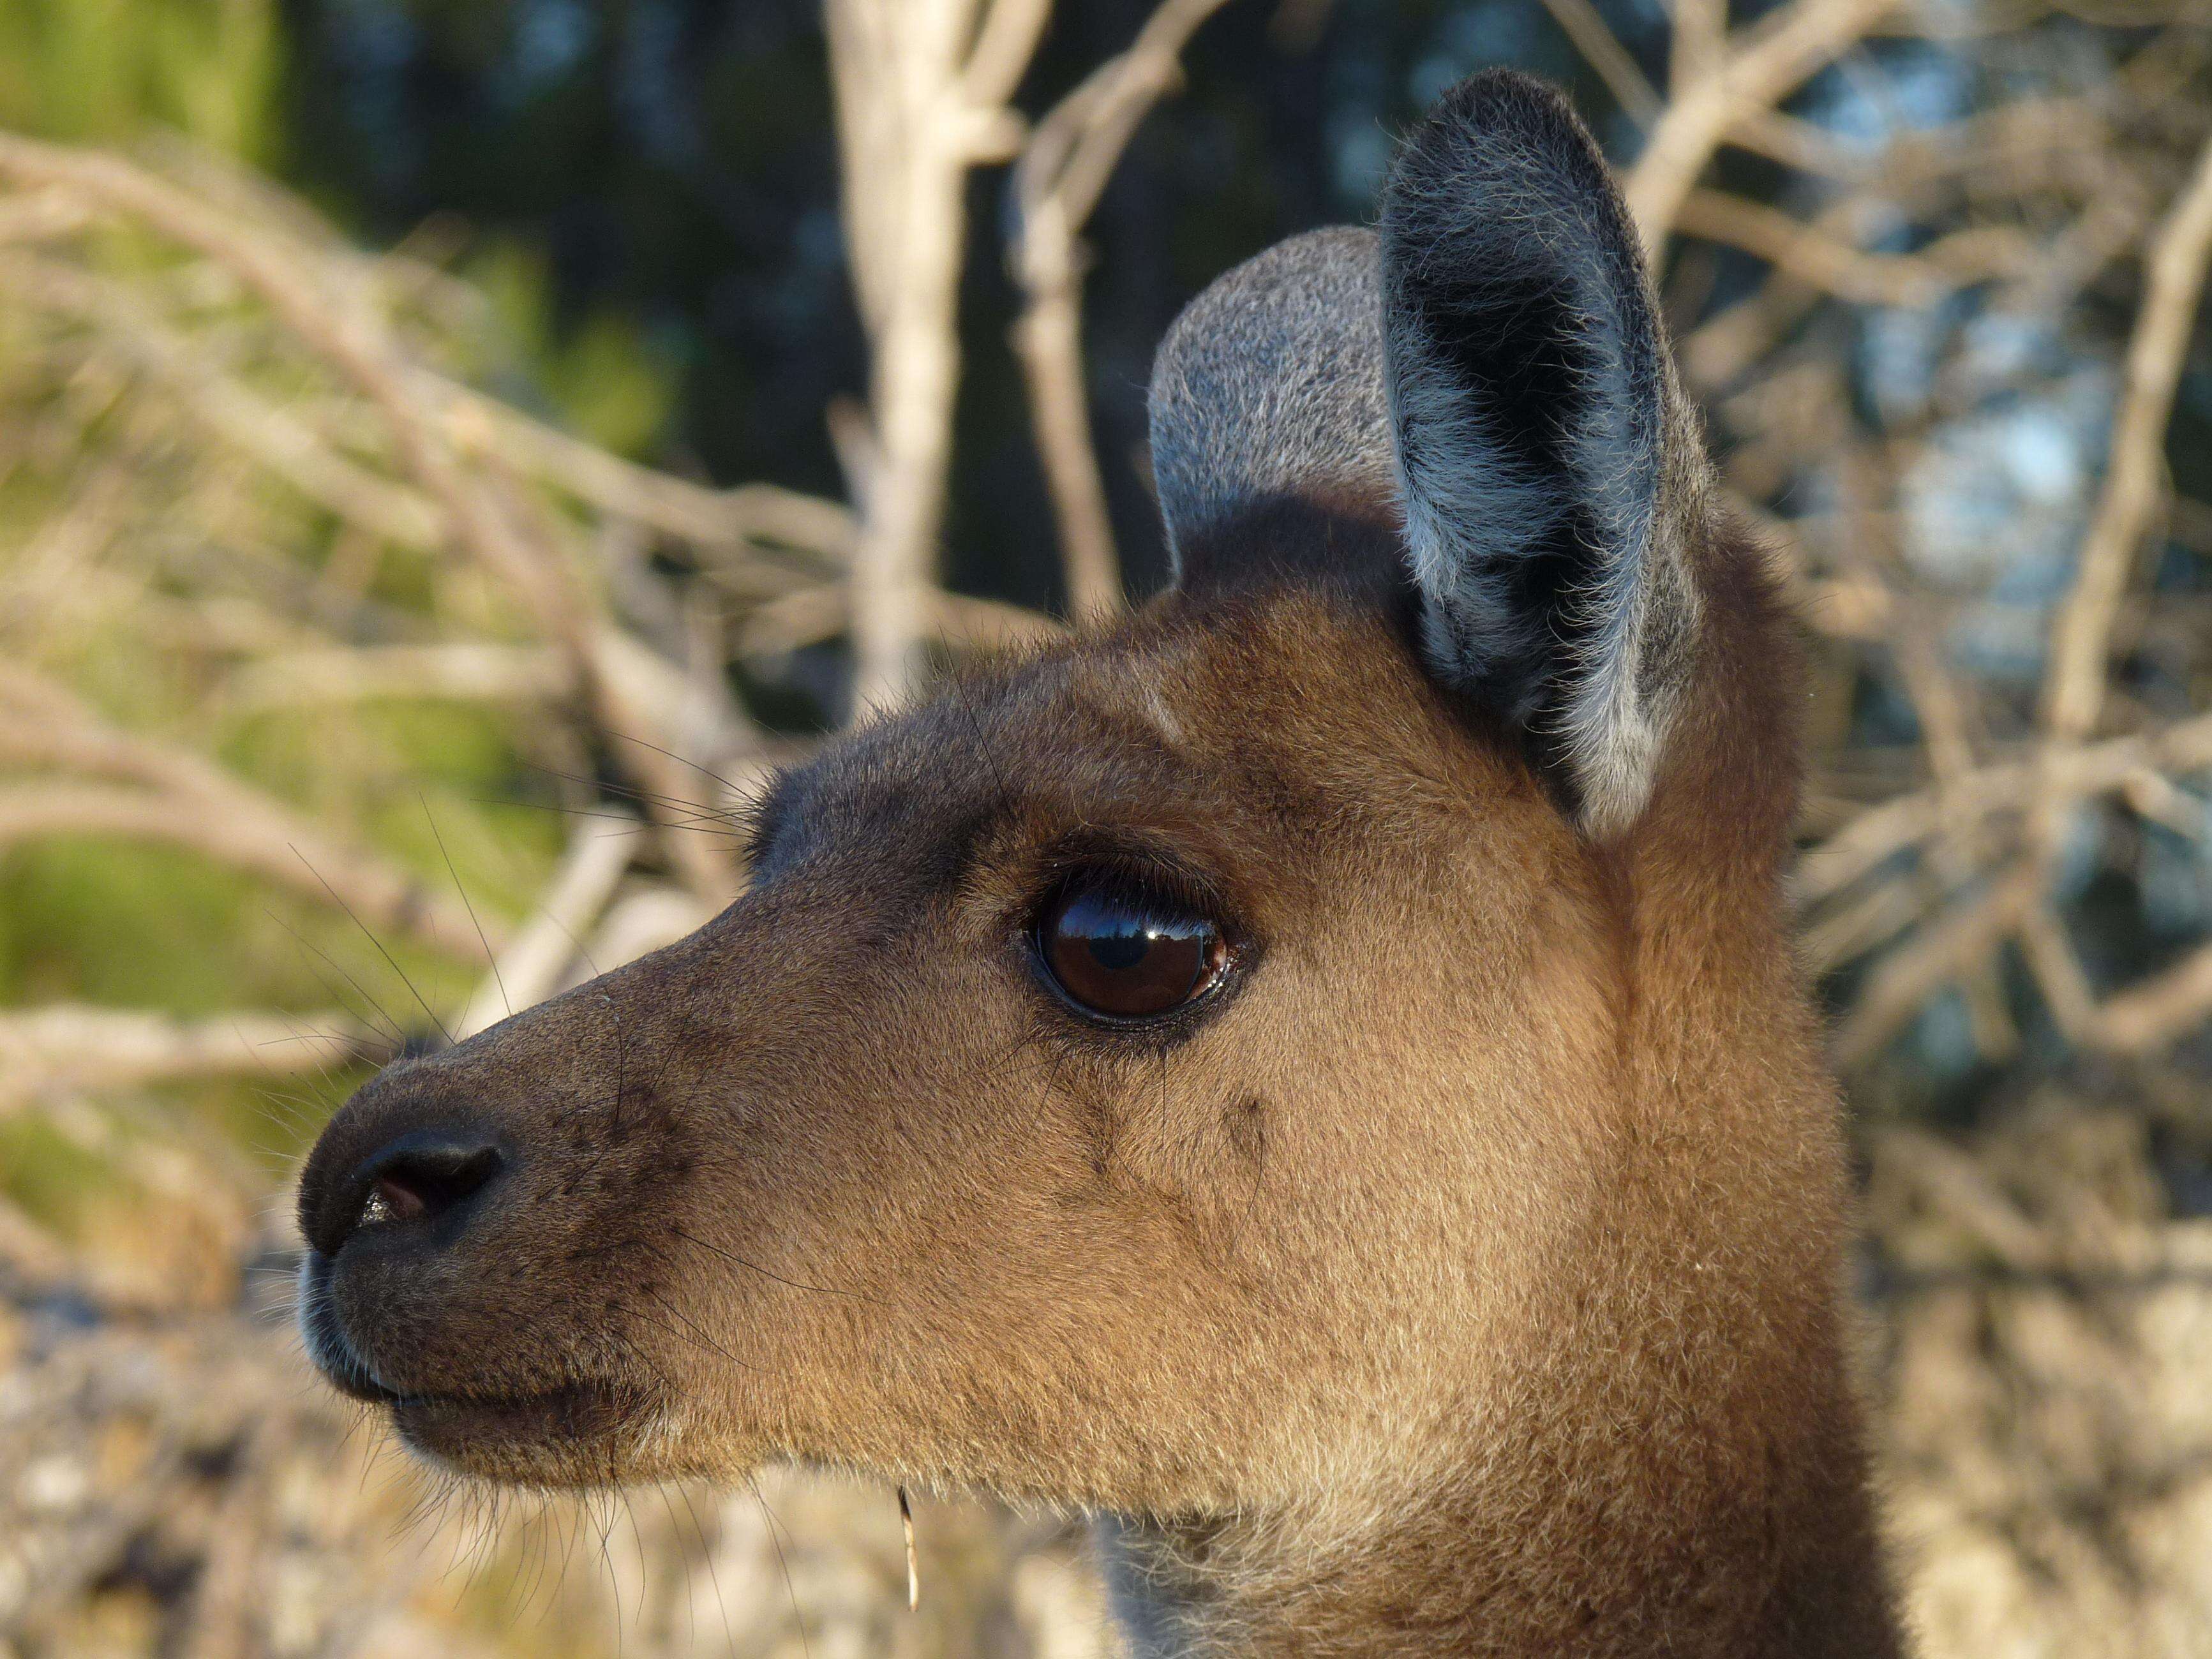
point(421, 1177)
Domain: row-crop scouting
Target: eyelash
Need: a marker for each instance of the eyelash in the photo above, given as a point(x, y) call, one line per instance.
point(1131, 871)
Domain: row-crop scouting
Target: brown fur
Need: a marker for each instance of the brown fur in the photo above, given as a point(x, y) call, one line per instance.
point(1467, 1279)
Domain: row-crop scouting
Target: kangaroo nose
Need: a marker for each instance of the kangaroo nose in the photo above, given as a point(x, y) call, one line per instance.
point(420, 1178)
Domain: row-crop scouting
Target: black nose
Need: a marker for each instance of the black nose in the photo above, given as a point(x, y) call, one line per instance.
point(423, 1177)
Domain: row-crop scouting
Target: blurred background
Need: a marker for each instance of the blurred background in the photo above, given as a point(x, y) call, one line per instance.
point(450, 449)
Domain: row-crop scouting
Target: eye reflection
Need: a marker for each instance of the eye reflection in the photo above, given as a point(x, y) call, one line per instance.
point(1128, 957)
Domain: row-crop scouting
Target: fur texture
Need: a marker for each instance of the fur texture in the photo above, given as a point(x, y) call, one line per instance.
point(1268, 386)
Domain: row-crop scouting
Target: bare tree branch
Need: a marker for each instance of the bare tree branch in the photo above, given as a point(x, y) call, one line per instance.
point(1601, 48)
point(910, 125)
point(2136, 475)
point(67, 1048)
point(1061, 173)
point(478, 514)
point(1756, 71)
point(179, 798)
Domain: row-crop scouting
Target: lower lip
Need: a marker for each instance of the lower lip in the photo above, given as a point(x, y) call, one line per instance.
point(463, 1429)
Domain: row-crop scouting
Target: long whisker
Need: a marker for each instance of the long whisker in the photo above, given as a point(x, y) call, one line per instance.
point(790, 1588)
point(696, 810)
point(377, 942)
point(714, 1577)
point(681, 760)
point(754, 1267)
point(700, 1336)
point(490, 956)
point(398, 1036)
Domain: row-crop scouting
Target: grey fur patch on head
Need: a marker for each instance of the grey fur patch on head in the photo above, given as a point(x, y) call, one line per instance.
point(1540, 436)
point(1269, 387)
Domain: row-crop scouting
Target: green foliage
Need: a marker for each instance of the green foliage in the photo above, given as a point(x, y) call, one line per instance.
point(50, 1175)
point(106, 71)
point(602, 376)
point(126, 924)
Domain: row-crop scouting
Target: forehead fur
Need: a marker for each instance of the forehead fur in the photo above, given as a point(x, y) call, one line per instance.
point(1230, 717)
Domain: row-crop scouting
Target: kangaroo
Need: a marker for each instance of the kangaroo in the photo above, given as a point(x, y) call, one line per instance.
point(1312, 1074)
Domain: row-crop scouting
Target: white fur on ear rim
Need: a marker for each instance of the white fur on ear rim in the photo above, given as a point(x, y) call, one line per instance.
point(1536, 422)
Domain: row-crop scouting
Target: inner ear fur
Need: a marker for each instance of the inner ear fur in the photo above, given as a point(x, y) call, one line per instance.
point(1549, 468)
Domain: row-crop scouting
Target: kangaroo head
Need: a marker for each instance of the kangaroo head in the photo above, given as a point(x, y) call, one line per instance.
point(1312, 1070)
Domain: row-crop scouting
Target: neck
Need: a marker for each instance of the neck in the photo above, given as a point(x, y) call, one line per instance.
point(1643, 1528)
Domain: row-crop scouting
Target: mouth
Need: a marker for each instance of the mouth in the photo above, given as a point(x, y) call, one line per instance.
point(576, 1431)
point(331, 1354)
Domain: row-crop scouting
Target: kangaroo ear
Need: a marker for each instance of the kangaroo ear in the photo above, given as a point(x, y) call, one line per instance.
point(1270, 429)
point(1544, 452)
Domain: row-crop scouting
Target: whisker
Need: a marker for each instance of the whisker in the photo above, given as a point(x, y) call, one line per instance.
point(398, 1036)
point(695, 811)
point(701, 1337)
point(377, 942)
point(790, 1588)
point(795, 1284)
point(681, 760)
point(490, 956)
point(714, 1574)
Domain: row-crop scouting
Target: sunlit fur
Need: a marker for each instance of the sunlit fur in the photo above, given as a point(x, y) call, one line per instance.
point(1464, 1277)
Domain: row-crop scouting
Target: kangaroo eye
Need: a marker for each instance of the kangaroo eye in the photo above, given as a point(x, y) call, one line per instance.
point(1125, 957)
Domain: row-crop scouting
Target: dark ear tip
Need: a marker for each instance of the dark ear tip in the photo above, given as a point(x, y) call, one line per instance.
point(1496, 122)
point(1491, 97)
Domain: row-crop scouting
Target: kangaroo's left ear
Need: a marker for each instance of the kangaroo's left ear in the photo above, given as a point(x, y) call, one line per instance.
point(1550, 468)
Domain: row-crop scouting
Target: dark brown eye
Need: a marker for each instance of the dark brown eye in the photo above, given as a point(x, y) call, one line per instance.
point(1128, 957)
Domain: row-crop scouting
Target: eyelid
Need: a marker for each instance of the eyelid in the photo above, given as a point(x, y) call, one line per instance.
point(1137, 867)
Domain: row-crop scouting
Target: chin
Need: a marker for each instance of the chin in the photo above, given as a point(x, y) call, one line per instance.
point(577, 1434)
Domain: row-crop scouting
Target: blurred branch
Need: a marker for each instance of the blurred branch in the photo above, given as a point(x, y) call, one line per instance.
point(1896, 825)
point(479, 510)
point(1056, 184)
point(2043, 789)
point(1583, 24)
point(1700, 40)
point(2134, 480)
point(534, 965)
point(2155, 1012)
point(205, 390)
point(1003, 46)
point(1806, 253)
point(920, 100)
point(336, 331)
point(69, 1047)
point(752, 514)
point(181, 798)
point(2151, 1013)
point(1058, 179)
point(814, 614)
point(464, 671)
point(1741, 82)
point(1940, 955)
